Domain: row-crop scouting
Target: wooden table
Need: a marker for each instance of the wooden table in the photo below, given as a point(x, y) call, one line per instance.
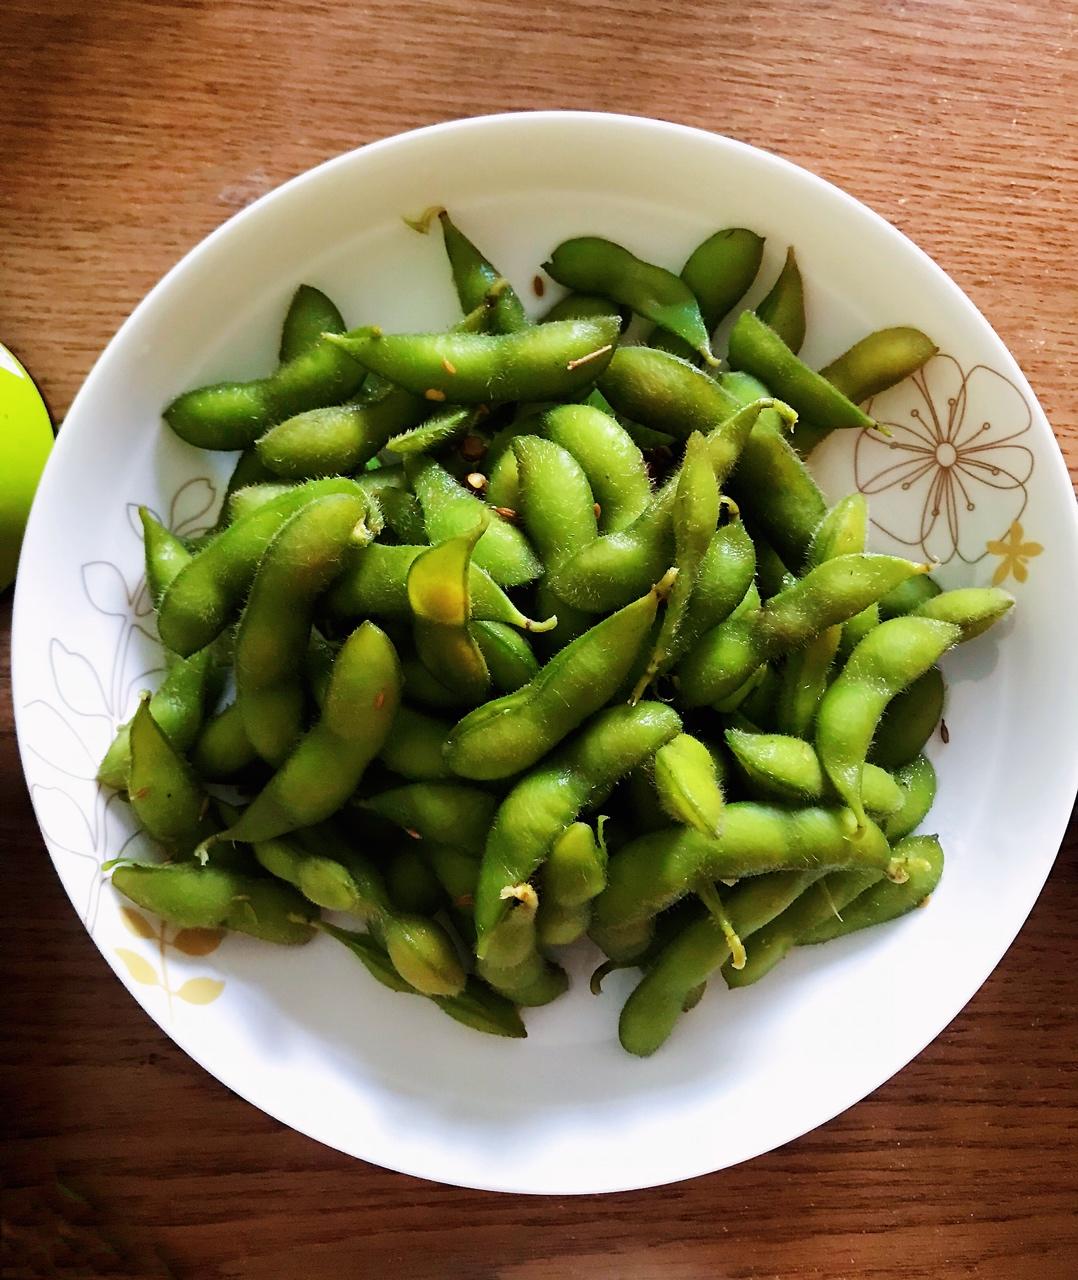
point(131, 128)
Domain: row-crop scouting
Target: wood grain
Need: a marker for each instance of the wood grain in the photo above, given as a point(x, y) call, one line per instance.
point(128, 130)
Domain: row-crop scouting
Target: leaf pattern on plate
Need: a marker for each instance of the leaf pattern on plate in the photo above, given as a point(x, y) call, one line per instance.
point(68, 730)
point(139, 967)
point(200, 990)
point(106, 589)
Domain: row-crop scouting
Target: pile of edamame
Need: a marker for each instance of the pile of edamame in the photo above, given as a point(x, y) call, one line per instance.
point(533, 630)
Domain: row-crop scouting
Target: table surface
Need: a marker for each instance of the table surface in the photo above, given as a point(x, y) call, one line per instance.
point(134, 127)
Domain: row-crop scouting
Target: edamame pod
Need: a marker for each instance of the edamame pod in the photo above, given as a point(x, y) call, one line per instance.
point(507, 735)
point(652, 872)
point(546, 362)
point(829, 594)
point(444, 812)
point(202, 598)
point(757, 349)
point(449, 511)
point(783, 310)
point(555, 498)
point(885, 901)
point(544, 802)
point(789, 769)
point(272, 638)
point(326, 765)
point(886, 661)
point(688, 786)
point(696, 952)
point(609, 457)
point(196, 897)
point(374, 582)
point(438, 594)
point(719, 271)
point(167, 798)
point(917, 782)
point(590, 264)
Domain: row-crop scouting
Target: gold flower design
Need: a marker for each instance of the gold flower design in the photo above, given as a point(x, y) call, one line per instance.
point(957, 444)
point(1014, 552)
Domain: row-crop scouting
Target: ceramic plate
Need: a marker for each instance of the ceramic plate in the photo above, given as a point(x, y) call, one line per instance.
point(971, 477)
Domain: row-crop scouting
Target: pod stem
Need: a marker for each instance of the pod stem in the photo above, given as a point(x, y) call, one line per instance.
point(709, 896)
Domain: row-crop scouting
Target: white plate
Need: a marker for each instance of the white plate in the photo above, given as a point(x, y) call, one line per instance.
point(306, 1035)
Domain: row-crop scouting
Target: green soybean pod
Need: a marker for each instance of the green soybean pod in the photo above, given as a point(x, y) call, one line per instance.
point(827, 595)
point(556, 361)
point(974, 609)
point(575, 869)
point(783, 310)
point(165, 794)
point(321, 880)
point(442, 812)
point(664, 392)
point(513, 964)
point(337, 439)
point(917, 782)
point(374, 583)
point(222, 749)
point(165, 554)
point(654, 871)
point(885, 901)
point(609, 457)
point(274, 630)
point(549, 798)
point(909, 721)
point(770, 480)
point(726, 573)
point(439, 430)
point(508, 656)
point(449, 511)
point(474, 277)
point(719, 271)
point(507, 735)
point(555, 498)
point(414, 746)
point(423, 954)
point(687, 784)
point(879, 361)
point(438, 594)
point(695, 952)
point(908, 596)
point(757, 349)
point(196, 897)
point(232, 415)
point(695, 514)
point(178, 707)
point(818, 904)
point(310, 314)
point(788, 768)
point(202, 598)
point(326, 765)
point(886, 661)
point(590, 264)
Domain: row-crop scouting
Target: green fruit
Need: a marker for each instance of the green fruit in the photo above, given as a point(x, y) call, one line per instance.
point(25, 441)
